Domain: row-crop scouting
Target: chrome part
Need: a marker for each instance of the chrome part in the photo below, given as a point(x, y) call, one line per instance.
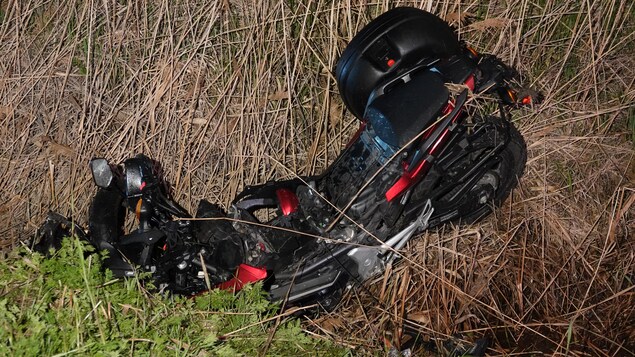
point(370, 260)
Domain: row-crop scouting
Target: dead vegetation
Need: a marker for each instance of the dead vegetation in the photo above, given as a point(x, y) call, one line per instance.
point(231, 93)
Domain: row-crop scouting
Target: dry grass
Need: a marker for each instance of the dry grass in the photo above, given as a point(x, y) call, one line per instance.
point(228, 93)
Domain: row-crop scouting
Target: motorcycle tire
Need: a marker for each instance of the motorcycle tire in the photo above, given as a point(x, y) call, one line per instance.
point(493, 187)
point(483, 193)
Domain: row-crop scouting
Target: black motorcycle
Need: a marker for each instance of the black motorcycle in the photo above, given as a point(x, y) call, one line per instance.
point(425, 154)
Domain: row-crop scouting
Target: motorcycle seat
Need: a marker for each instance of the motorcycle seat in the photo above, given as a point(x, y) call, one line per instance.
point(404, 110)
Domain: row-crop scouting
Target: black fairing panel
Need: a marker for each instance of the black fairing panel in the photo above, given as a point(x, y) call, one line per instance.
point(388, 45)
point(405, 110)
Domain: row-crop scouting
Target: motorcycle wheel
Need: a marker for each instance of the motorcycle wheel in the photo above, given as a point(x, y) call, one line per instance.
point(488, 191)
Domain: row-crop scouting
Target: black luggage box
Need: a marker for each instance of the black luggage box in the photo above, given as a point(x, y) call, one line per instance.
point(387, 46)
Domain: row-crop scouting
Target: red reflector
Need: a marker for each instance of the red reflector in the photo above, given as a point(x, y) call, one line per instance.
point(390, 62)
point(287, 200)
point(245, 274)
point(526, 100)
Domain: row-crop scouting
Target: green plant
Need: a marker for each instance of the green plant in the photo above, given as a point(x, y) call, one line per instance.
point(68, 304)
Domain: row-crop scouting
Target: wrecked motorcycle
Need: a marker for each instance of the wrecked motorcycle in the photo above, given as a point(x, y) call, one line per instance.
point(424, 155)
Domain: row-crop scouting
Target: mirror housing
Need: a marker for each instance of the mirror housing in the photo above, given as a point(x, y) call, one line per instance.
point(102, 173)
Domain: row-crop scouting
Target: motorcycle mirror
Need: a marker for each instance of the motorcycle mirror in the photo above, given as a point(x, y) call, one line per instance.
point(102, 173)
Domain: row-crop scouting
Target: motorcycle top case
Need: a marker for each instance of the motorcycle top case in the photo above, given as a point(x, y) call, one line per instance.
point(395, 41)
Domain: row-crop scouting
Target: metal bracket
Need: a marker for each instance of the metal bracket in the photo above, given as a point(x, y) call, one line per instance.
point(369, 259)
